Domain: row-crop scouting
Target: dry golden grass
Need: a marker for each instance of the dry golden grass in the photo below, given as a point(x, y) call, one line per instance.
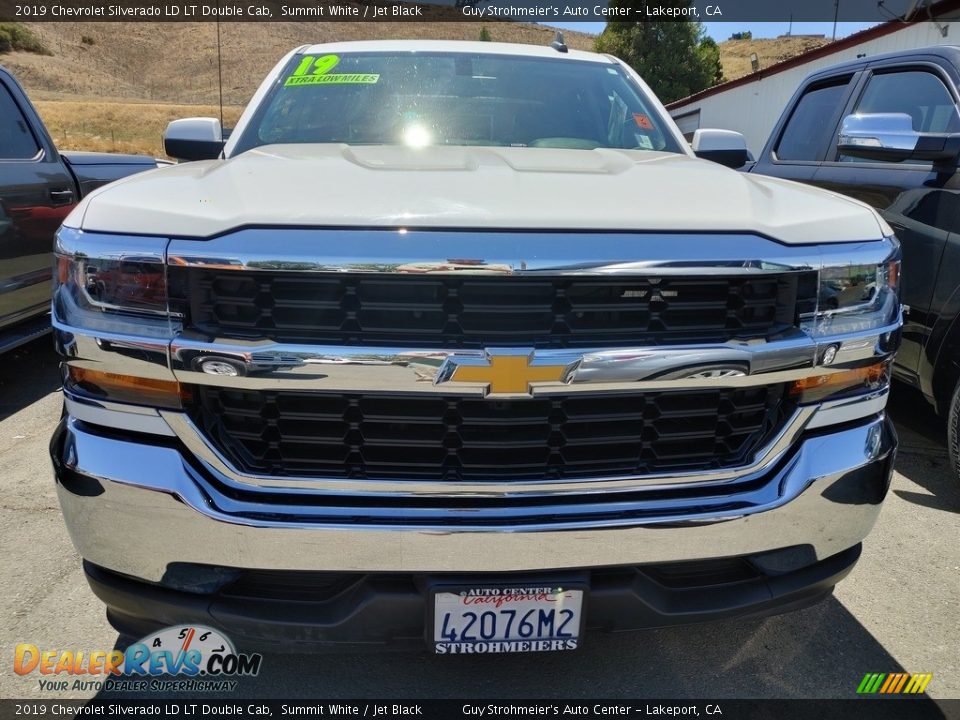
point(119, 127)
point(177, 62)
point(134, 78)
point(735, 54)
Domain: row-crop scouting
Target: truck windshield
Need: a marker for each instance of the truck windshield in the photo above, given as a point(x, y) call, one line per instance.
point(419, 99)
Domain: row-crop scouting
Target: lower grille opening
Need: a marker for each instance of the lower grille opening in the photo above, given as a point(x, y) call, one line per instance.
point(418, 437)
point(677, 576)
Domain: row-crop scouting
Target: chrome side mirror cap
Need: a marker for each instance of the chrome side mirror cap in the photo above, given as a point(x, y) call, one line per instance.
point(197, 138)
point(890, 137)
point(721, 146)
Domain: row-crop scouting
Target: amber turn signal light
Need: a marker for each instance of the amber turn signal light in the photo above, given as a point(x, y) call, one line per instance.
point(127, 388)
point(819, 387)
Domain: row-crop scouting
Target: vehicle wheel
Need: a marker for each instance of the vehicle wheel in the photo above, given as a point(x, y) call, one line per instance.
point(220, 366)
point(953, 431)
point(706, 372)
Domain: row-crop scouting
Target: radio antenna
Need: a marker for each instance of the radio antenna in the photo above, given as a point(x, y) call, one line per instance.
point(219, 68)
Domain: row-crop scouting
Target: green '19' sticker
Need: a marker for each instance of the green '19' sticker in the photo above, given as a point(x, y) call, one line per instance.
point(316, 71)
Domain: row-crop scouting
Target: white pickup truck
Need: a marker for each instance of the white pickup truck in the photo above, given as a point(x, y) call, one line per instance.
point(461, 344)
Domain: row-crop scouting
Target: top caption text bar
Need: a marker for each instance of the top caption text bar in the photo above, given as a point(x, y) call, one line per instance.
point(545, 11)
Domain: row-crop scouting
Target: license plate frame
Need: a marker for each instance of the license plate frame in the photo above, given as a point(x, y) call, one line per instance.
point(499, 646)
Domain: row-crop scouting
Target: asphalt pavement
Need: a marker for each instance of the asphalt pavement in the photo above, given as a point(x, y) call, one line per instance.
point(899, 611)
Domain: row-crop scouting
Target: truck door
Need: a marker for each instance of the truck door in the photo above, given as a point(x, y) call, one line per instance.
point(921, 203)
point(36, 193)
point(799, 143)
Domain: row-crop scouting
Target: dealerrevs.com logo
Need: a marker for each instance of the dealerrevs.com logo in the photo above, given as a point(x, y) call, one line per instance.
point(187, 658)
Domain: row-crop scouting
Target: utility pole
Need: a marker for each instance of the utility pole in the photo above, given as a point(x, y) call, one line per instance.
point(836, 12)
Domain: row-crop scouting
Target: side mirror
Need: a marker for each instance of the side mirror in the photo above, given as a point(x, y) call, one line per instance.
point(721, 146)
point(891, 137)
point(193, 139)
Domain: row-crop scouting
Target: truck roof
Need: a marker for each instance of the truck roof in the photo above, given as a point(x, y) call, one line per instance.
point(951, 53)
point(455, 46)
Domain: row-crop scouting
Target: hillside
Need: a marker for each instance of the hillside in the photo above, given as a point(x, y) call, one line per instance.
point(735, 54)
point(177, 62)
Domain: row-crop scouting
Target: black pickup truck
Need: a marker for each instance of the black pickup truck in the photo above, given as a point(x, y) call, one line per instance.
point(39, 186)
point(885, 130)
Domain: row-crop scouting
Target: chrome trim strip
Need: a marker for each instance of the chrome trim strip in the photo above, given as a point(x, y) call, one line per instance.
point(402, 250)
point(274, 366)
point(125, 417)
point(835, 412)
point(112, 352)
point(221, 467)
point(270, 365)
point(71, 242)
point(27, 279)
point(148, 492)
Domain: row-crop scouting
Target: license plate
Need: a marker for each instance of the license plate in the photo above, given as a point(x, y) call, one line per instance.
point(506, 619)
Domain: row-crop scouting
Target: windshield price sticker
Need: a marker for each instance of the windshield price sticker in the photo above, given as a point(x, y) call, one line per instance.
point(316, 71)
point(507, 619)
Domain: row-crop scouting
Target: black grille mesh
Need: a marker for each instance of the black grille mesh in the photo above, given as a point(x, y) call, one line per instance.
point(475, 311)
point(449, 438)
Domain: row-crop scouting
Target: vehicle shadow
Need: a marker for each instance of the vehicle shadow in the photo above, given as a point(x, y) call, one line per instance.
point(922, 454)
point(28, 373)
point(819, 652)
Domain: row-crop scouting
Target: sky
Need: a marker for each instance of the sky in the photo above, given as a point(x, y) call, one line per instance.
point(721, 31)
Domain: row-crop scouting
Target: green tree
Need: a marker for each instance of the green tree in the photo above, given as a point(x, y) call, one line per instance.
point(485, 34)
point(708, 53)
point(745, 35)
point(14, 36)
point(675, 57)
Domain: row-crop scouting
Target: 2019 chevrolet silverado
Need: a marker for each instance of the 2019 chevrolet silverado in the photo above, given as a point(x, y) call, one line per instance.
point(460, 344)
point(38, 188)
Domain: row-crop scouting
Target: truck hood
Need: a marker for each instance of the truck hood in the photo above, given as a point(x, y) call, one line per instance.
point(458, 187)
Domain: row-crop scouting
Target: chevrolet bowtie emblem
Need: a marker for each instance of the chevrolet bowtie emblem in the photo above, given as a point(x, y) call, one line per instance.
point(503, 372)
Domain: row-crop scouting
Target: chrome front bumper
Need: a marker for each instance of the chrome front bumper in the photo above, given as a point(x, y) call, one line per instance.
point(135, 505)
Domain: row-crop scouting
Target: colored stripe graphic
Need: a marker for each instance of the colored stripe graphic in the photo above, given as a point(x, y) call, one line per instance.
point(918, 682)
point(871, 683)
point(894, 683)
point(903, 679)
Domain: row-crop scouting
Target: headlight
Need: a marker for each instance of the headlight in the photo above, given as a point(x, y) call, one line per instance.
point(115, 284)
point(856, 297)
point(856, 323)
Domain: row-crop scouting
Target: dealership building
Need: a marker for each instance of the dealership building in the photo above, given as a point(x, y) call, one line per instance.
point(752, 104)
